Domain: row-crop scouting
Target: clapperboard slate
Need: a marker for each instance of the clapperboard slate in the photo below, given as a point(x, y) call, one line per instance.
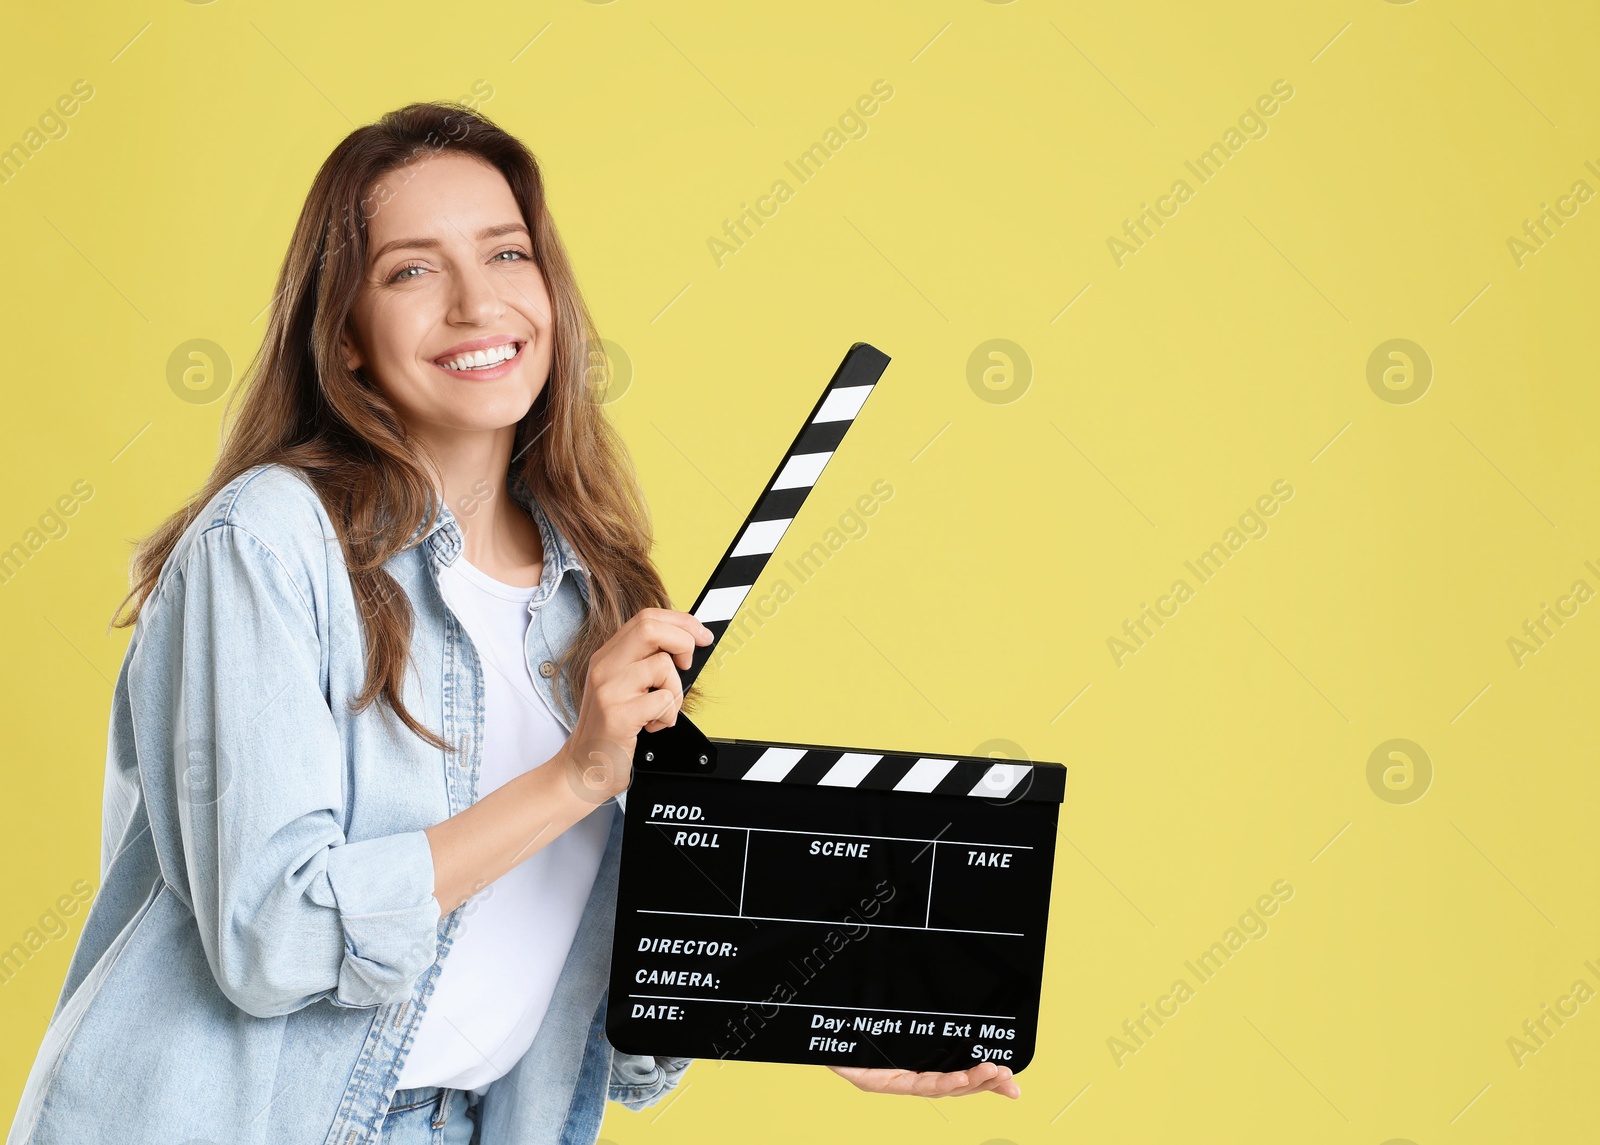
point(788, 902)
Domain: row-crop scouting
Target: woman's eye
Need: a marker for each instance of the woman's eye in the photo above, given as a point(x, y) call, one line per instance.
point(401, 276)
point(520, 254)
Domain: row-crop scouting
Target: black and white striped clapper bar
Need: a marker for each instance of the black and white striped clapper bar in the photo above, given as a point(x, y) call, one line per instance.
point(786, 902)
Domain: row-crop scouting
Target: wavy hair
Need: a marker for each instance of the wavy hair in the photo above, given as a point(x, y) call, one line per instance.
point(302, 407)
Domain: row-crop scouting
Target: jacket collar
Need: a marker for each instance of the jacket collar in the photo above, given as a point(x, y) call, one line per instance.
point(443, 538)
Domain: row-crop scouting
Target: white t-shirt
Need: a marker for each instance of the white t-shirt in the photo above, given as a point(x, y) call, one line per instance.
point(513, 940)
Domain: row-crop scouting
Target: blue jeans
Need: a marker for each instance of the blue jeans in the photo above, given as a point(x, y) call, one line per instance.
point(433, 1115)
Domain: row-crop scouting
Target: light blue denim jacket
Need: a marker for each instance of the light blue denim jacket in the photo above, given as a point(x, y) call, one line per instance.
point(265, 936)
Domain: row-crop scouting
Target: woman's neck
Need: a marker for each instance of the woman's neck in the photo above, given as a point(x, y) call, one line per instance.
point(497, 534)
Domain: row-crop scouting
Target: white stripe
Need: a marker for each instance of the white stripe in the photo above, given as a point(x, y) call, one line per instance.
point(801, 470)
point(925, 775)
point(851, 769)
point(775, 763)
point(999, 780)
point(721, 603)
point(842, 404)
point(760, 537)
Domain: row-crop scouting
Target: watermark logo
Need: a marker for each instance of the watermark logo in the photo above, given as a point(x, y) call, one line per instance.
point(1399, 371)
point(204, 773)
point(999, 371)
point(199, 371)
point(1003, 785)
point(1399, 771)
point(594, 767)
point(608, 372)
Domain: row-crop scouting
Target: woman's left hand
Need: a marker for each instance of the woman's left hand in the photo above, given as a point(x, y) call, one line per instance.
point(959, 1083)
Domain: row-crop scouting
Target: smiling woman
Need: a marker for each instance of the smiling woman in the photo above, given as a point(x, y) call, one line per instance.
point(332, 763)
point(449, 243)
point(306, 888)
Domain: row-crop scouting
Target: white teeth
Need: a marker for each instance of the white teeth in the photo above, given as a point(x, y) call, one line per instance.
point(482, 359)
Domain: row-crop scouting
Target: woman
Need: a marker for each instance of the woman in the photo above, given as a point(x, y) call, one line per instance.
point(367, 743)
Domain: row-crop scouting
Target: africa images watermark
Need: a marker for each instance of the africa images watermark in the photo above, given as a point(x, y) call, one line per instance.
point(1252, 927)
point(851, 525)
point(1549, 620)
point(51, 527)
point(51, 926)
point(199, 371)
point(1252, 124)
point(52, 125)
point(1537, 1032)
point(755, 1015)
point(433, 146)
point(1252, 526)
point(1543, 226)
point(852, 124)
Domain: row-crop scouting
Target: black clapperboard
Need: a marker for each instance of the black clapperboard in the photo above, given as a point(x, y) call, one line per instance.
point(787, 902)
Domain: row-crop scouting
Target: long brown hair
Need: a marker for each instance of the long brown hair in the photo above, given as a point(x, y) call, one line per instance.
point(302, 407)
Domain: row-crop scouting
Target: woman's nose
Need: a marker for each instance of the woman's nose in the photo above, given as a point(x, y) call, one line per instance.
point(477, 297)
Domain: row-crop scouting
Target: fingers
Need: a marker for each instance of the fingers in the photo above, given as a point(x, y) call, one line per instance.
point(661, 691)
point(981, 1078)
point(652, 631)
point(632, 682)
point(663, 642)
point(987, 1078)
point(649, 711)
point(659, 628)
point(665, 706)
point(958, 1083)
point(644, 636)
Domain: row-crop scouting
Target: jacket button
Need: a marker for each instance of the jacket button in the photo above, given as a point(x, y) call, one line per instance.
point(547, 669)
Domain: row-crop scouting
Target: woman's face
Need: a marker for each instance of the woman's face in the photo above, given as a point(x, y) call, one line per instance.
point(450, 287)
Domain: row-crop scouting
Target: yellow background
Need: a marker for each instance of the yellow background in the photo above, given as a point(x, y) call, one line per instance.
point(1228, 753)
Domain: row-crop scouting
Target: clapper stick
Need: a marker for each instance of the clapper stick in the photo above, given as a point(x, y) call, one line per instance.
point(786, 491)
point(683, 746)
point(799, 903)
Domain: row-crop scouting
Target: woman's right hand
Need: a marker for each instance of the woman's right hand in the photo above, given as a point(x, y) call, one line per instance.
point(631, 685)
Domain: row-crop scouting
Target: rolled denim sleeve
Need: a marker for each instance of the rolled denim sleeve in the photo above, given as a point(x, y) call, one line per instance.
point(244, 767)
point(382, 890)
point(640, 1081)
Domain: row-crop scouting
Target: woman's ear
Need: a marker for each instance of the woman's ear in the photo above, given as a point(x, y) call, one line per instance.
point(347, 346)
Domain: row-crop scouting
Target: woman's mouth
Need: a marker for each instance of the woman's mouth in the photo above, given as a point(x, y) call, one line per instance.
point(483, 364)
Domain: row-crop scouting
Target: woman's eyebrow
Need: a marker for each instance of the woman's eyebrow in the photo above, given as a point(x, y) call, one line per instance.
point(433, 244)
